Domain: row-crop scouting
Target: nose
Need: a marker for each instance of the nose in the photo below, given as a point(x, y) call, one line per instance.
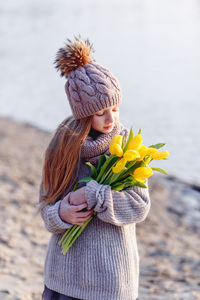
point(109, 118)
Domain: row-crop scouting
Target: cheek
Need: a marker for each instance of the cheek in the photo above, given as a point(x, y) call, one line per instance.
point(96, 121)
point(116, 117)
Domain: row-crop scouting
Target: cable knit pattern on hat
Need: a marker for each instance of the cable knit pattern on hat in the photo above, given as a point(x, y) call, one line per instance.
point(91, 88)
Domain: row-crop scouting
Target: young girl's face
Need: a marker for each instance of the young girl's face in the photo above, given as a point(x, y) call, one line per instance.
point(104, 120)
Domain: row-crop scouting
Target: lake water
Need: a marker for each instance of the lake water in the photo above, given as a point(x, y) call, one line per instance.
point(152, 47)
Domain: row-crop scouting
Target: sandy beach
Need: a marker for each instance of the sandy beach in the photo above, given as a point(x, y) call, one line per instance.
point(168, 240)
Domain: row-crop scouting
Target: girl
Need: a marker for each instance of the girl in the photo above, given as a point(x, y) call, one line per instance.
point(103, 263)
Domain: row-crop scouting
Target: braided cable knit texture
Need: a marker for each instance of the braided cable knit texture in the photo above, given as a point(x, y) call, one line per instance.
point(104, 262)
point(91, 88)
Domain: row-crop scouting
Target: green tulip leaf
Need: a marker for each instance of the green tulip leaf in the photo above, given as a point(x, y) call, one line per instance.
point(160, 170)
point(75, 187)
point(140, 184)
point(105, 178)
point(127, 182)
point(101, 161)
point(128, 140)
point(135, 182)
point(93, 170)
point(106, 166)
point(157, 146)
point(85, 179)
point(117, 187)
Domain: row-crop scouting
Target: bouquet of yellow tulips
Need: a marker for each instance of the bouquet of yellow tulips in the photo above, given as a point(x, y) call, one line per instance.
point(127, 165)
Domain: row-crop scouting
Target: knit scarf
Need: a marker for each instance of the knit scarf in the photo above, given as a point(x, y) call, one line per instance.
point(92, 148)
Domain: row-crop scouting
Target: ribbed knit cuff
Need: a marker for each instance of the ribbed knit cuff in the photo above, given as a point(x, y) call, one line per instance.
point(55, 222)
point(90, 193)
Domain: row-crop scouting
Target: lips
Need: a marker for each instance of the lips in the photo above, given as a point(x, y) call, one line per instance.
point(108, 127)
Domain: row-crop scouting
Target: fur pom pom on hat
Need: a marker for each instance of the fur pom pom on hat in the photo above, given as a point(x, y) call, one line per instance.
point(90, 87)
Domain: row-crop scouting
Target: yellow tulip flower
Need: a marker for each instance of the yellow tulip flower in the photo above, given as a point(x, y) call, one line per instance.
point(136, 142)
point(151, 151)
point(131, 155)
point(160, 155)
point(117, 139)
point(141, 180)
point(143, 151)
point(116, 149)
point(119, 166)
point(142, 172)
point(115, 146)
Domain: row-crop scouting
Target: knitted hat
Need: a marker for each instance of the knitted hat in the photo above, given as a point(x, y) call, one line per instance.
point(90, 87)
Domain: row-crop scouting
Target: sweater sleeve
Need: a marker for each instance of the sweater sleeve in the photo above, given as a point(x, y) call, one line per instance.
point(118, 208)
point(51, 217)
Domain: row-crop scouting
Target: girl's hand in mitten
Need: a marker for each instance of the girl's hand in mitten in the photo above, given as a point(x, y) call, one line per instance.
point(77, 197)
point(72, 213)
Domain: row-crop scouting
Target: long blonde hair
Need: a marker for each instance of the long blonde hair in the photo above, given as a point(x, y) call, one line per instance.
point(62, 158)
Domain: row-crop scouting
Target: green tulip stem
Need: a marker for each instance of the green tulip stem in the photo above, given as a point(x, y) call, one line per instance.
point(76, 234)
point(67, 238)
point(106, 176)
point(114, 177)
point(64, 236)
point(66, 245)
point(81, 228)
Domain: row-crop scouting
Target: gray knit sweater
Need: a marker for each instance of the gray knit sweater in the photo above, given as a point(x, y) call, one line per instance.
point(103, 263)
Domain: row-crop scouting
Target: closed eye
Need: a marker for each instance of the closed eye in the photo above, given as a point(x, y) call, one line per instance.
point(114, 110)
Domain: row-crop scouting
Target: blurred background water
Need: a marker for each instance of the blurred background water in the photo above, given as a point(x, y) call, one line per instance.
point(152, 47)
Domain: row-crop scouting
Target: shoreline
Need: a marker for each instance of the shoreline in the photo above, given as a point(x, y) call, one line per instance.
point(168, 240)
point(193, 184)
